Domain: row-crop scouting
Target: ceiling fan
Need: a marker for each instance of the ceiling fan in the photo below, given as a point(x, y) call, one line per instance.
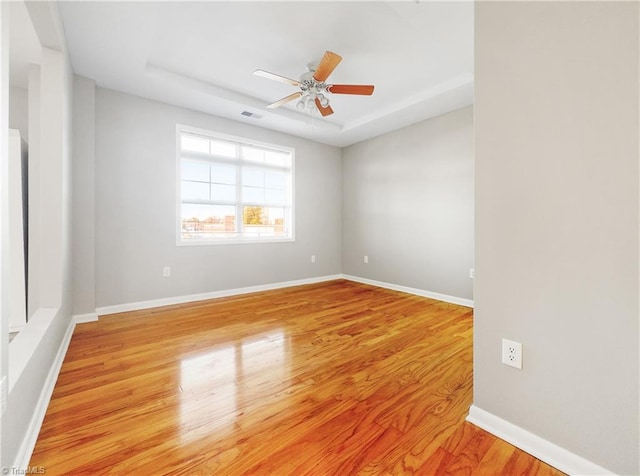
point(313, 88)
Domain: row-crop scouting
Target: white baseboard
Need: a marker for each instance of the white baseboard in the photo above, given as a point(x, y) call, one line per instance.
point(136, 306)
point(416, 291)
point(31, 436)
point(88, 317)
point(542, 449)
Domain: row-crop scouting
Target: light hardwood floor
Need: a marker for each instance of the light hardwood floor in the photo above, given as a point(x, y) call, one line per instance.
point(336, 378)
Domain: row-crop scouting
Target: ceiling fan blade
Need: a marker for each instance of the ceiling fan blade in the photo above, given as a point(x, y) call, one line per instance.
point(282, 101)
point(327, 64)
point(325, 111)
point(276, 77)
point(362, 89)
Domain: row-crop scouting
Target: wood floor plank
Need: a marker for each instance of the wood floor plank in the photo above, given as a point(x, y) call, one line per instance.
point(334, 378)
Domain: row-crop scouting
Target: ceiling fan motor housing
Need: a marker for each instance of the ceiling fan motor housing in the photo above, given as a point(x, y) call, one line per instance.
point(312, 89)
point(309, 83)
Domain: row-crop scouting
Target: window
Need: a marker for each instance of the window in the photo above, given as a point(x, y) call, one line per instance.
point(232, 189)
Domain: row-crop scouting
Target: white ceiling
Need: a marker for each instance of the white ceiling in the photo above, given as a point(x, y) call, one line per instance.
point(201, 55)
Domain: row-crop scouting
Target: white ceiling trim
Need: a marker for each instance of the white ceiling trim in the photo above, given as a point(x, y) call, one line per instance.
point(185, 82)
point(416, 99)
point(194, 84)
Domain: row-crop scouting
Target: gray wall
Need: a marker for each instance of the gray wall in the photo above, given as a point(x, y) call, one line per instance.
point(135, 174)
point(84, 239)
point(556, 148)
point(408, 206)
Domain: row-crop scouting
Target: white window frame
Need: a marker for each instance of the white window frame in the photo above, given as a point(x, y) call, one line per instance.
point(180, 129)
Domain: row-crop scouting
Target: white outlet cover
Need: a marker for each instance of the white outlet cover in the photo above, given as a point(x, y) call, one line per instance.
point(512, 353)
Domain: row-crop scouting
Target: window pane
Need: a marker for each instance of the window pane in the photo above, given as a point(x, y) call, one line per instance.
point(225, 193)
point(194, 144)
point(277, 158)
point(275, 214)
point(253, 194)
point(223, 148)
point(194, 190)
point(252, 177)
point(194, 170)
point(207, 221)
point(222, 174)
point(254, 155)
point(275, 197)
point(275, 180)
point(277, 217)
point(271, 222)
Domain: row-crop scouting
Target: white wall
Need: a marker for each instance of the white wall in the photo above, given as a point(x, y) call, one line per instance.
point(17, 233)
point(135, 212)
point(35, 230)
point(52, 175)
point(556, 148)
point(5, 272)
point(408, 206)
point(35, 352)
point(19, 111)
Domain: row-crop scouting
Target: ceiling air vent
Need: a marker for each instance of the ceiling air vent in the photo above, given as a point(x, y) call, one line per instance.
point(250, 114)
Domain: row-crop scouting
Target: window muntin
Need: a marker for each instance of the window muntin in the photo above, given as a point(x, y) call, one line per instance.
point(232, 189)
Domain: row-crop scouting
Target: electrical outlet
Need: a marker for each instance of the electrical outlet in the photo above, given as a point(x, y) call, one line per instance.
point(4, 395)
point(472, 273)
point(166, 271)
point(313, 258)
point(512, 353)
point(366, 259)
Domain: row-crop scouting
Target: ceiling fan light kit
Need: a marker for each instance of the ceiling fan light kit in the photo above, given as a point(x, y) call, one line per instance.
point(313, 88)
